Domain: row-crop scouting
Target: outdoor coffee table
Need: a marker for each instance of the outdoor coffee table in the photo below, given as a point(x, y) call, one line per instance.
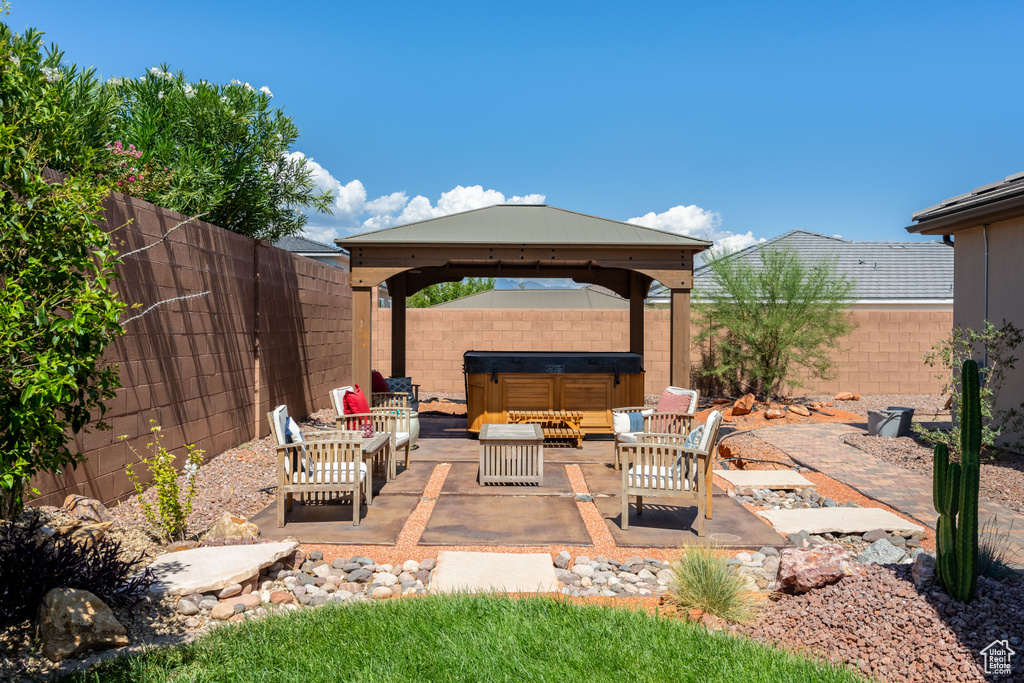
point(555, 424)
point(511, 454)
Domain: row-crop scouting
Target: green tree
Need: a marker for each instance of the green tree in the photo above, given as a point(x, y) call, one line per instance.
point(57, 310)
point(447, 291)
point(766, 322)
point(224, 148)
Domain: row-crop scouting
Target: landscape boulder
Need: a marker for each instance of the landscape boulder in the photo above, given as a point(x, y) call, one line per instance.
point(804, 569)
point(843, 396)
point(87, 509)
point(232, 526)
point(743, 405)
point(800, 410)
point(774, 414)
point(881, 552)
point(86, 535)
point(73, 621)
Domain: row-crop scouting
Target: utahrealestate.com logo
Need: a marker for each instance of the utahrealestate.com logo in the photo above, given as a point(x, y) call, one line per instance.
point(997, 658)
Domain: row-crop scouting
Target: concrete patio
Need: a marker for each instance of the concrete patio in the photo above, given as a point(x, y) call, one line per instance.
point(466, 514)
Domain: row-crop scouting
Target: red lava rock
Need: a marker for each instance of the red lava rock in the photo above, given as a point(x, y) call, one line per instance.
point(774, 414)
point(281, 597)
point(804, 569)
point(743, 405)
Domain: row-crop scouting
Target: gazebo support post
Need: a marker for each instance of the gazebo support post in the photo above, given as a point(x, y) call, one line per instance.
point(362, 337)
point(636, 314)
point(396, 286)
point(679, 358)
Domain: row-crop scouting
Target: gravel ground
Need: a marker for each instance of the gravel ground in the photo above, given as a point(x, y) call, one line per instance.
point(1002, 473)
point(880, 624)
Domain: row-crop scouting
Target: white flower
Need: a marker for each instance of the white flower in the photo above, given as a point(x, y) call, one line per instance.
point(189, 91)
point(142, 79)
point(249, 87)
point(155, 70)
point(266, 91)
point(235, 81)
point(52, 75)
point(223, 98)
point(114, 81)
point(16, 60)
point(160, 95)
point(190, 469)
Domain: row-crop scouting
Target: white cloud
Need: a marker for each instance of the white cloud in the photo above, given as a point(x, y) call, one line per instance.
point(694, 221)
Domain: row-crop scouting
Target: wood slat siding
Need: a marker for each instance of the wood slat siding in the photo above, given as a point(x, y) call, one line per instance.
point(511, 454)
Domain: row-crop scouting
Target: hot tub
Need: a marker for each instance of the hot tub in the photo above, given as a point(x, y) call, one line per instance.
point(591, 383)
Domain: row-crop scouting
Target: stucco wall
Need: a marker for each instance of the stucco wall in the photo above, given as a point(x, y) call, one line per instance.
point(192, 365)
point(1005, 287)
point(882, 356)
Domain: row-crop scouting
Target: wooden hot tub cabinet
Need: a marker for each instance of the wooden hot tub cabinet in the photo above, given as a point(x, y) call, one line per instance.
point(592, 383)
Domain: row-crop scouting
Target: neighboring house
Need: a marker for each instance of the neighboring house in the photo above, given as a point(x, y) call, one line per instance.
point(986, 226)
point(886, 275)
point(328, 254)
point(583, 297)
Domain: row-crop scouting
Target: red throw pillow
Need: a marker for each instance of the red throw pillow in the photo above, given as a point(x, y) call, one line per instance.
point(672, 402)
point(378, 385)
point(355, 402)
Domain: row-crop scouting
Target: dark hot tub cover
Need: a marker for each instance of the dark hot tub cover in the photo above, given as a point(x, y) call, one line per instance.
point(552, 362)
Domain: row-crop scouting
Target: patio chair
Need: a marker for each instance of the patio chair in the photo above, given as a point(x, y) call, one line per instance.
point(404, 385)
point(389, 414)
point(669, 466)
point(664, 419)
point(317, 465)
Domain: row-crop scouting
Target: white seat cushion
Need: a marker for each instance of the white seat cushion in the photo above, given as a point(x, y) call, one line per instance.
point(401, 438)
point(627, 437)
point(662, 478)
point(336, 474)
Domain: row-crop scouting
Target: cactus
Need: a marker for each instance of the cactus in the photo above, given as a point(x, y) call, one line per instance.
point(955, 494)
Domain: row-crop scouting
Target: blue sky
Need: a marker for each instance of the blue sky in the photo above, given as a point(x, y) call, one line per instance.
point(737, 121)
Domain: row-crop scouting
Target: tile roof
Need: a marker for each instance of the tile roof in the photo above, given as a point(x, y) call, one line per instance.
point(880, 270)
point(1007, 188)
point(303, 245)
point(523, 224)
point(583, 297)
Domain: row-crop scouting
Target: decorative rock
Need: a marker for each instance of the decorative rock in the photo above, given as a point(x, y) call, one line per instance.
point(802, 570)
point(187, 607)
point(73, 621)
point(249, 601)
point(323, 570)
point(339, 563)
point(88, 535)
point(423, 575)
point(222, 611)
point(208, 604)
point(411, 566)
point(229, 591)
point(800, 410)
point(743, 405)
point(207, 569)
point(583, 570)
point(562, 560)
point(428, 564)
point(385, 579)
point(315, 555)
point(192, 622)
point(350, 587)
point(232, 526)
point(774, 414)
point(360, 576)
point(768, 551)
point(897, 541)
point(876, 534)
point(881, 552)
point(281, 597)
point(381, 593)
point(843, 396)
point(87, 509)
point(362, 560)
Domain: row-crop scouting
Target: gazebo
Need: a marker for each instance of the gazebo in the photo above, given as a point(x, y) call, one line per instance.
point(520, 241)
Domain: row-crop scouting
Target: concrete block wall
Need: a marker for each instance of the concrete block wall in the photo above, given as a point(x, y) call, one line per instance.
point(883, 355)
point(191, 366)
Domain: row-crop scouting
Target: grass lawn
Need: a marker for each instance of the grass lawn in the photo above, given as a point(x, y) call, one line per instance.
point(466, 638)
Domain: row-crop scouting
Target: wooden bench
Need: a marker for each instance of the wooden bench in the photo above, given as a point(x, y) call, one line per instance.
point(511, 454)
point(555, 424)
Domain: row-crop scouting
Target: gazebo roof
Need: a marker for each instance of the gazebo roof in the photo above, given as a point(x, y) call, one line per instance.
point(525, 225)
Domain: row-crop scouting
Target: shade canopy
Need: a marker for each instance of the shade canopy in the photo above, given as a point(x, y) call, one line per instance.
point(520, 241)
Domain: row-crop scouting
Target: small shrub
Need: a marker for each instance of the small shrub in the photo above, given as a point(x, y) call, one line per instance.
point(31, 565)
point(170, 518)
point(995, 550)
point(703, 580)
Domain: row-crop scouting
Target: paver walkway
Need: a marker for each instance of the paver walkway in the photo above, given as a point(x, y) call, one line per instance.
point(819, 447)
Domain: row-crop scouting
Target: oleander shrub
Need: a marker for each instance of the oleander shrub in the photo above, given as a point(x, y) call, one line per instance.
point(703, 580)
point(31, 564)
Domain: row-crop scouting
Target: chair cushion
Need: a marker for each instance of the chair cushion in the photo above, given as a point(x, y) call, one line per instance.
point(695, 437)
point(626, 437)
point(355, 402)
point(338, 397)
point(401, 438)
point(659, 478)
point(377, 383)
point(399, 384)
point(633, 421)
point(676, 400)
point(335, 474)
point(280, 417)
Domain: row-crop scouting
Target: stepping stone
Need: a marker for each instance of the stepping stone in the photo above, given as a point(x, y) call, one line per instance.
point(493, 572)
point(837, 520)
point(765, 479)
point(202, 570)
